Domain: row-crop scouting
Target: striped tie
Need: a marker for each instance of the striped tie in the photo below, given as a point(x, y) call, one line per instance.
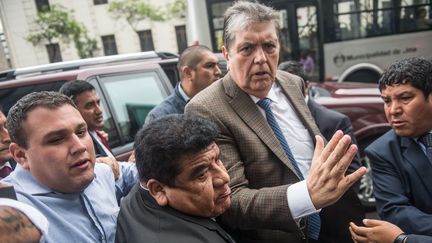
point(314, 219)
point(426, 140)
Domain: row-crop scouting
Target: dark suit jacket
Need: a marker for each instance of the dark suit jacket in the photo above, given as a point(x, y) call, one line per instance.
point(402, 183)
point(348, 208)
point(260, 170)
point(12, 163)
point(141, 219)
point(98, 147)
point(418, 239)
point(173, 104)
point(329, 121)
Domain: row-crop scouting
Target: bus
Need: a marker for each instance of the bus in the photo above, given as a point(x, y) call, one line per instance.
point(343, 40)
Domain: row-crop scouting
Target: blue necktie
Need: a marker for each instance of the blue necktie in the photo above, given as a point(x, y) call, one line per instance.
point(426, 139)
point(314, 219)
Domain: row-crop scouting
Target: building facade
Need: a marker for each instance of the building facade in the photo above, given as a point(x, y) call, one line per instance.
point(113, 36)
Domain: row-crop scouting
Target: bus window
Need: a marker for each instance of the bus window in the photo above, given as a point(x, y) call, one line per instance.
point(364, 18)
point(218, 10)
point(285, 40)
point(415, 18)
point(423, 20)
point(308, 39)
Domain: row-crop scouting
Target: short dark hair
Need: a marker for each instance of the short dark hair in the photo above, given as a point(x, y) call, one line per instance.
point(18, 113)
point(190, 57)
point(416, 71)
point(163, 144)
point(74, 88)
point(293, 67)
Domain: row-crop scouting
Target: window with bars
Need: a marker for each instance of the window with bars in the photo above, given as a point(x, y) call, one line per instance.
point(109, 45)
point(146, 40)
point(54, 53)
point(42, 5)
point(181, 38)
point(97, 2)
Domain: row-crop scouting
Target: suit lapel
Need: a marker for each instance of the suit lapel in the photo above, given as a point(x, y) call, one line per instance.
point(204, 222)
point(98, 148)
point(12, 163)
point(295, 96)
point(416, 158)
point(244, 106)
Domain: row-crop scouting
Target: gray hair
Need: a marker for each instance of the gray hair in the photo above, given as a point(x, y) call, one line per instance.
point(244, 13)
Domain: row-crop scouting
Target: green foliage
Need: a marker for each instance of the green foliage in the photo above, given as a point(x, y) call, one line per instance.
point(177, 9)
point(55, 23)
point(85, 45)
point(135, 11)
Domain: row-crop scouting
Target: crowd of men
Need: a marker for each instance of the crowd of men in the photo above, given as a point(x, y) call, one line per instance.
point(252, 159)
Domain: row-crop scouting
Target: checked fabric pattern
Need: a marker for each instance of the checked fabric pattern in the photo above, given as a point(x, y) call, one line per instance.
point(426, 139)
point(314, 219)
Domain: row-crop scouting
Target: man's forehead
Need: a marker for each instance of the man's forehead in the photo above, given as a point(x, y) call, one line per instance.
point(40, 113)
point(208, 56)
point(251, 34)
point(396, 89)
point(196, 158)
point(87, 95)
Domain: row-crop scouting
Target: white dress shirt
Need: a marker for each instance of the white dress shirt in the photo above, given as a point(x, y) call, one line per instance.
point(6, 164)
point(301, 145)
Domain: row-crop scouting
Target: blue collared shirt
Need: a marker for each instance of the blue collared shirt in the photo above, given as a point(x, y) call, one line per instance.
point(183, 93)
point(88, 216)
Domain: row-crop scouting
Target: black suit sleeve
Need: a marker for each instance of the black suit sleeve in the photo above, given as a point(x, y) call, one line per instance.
point(7, 192)
point(393, 201)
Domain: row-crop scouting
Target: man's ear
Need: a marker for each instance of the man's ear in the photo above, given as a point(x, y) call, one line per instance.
point(429, 98)
point(225, 53)
point(187, 72)
point(226, 56)
point(157, 191)
point(20, 155)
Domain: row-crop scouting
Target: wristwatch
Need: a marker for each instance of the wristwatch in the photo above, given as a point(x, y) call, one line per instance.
point(400, 238)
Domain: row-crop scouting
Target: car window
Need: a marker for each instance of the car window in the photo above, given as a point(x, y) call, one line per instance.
point(109, 125)
point(131, 97)
point(9, 96)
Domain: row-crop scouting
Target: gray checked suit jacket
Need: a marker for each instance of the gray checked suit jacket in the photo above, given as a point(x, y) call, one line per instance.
point(260, 170)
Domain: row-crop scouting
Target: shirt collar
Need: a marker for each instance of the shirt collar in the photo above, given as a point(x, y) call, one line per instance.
point(182, 93)
point(6, 164)
point(30, 184)
point(93, 133)
point(272, 94)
